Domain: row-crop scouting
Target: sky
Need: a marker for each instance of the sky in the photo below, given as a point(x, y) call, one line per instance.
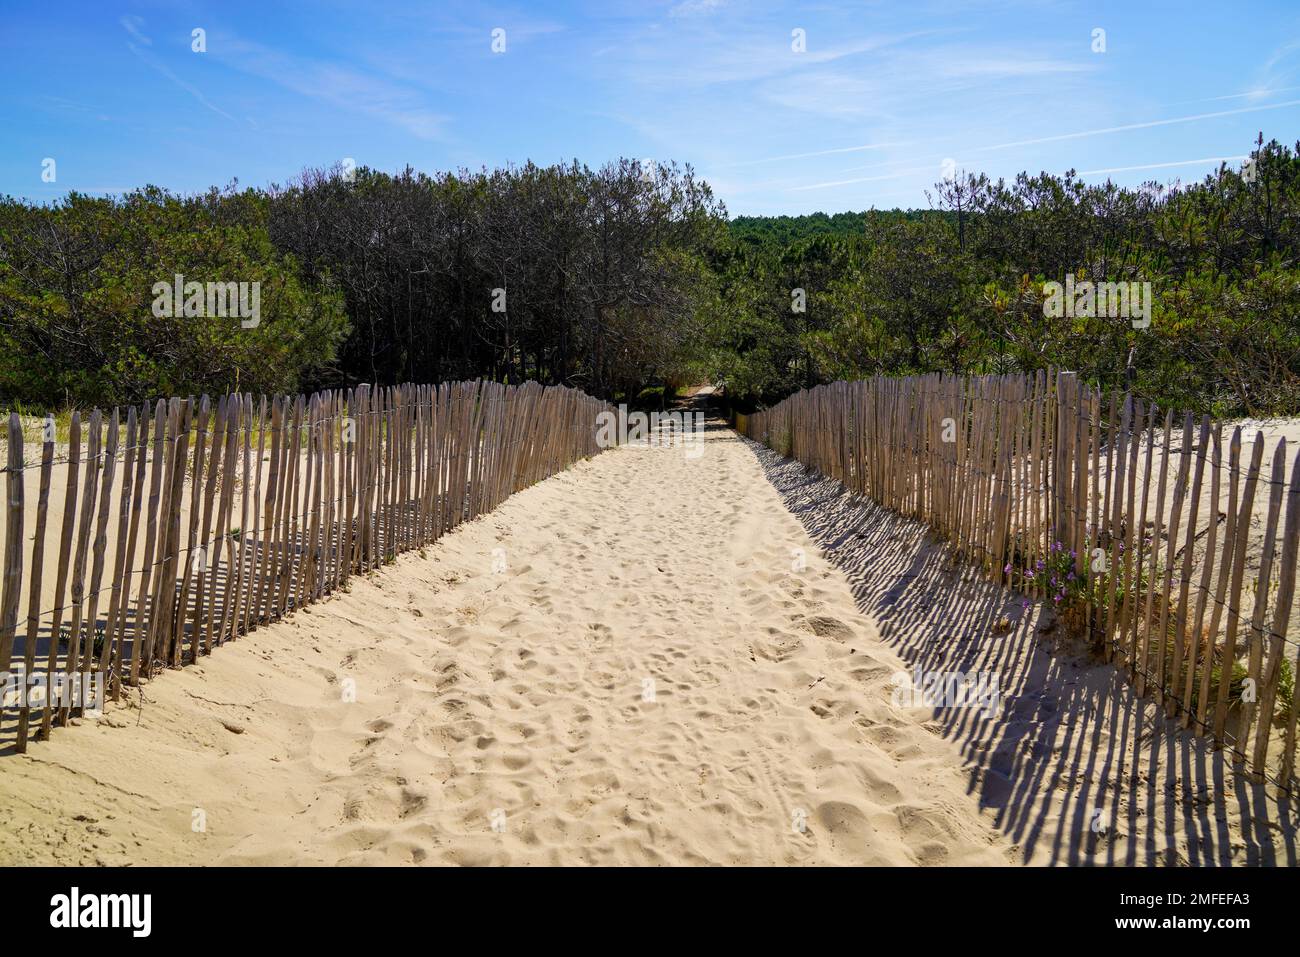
point(782, 107)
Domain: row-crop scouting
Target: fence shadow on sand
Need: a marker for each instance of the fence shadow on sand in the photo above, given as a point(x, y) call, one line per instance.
point(1073, 768)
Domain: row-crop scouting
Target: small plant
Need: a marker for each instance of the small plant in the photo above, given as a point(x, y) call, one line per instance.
point(1285, 690)
point(1056, 573)
point(1071, 591)
point(97, 646)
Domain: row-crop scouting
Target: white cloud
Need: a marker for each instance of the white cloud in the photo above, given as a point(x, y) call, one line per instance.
point(695, 8)
point(134, 25)
point(337, 84)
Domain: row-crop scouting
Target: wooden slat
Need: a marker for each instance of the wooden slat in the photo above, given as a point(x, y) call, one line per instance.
point(63, 566)
point(89, 660)
point(252, 610)
point(141, 663)
point(1234, 595)
point(1143, 652)
point(77, 644)
point(110, 658)
point(270, 510)
point(1136, 548)
point(1281, 620)
point(1181, 700)
point(13, 554)
point(224, 540)
point(239, 543)
point(1118, 452)
point(1255, 637)
point(171, 615)
point(1175, 523)
point(35, 582)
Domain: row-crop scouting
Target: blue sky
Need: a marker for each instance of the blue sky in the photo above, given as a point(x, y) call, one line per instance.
point(866, 115)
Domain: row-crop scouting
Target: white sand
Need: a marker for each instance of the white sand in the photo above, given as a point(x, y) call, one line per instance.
point(519, 698)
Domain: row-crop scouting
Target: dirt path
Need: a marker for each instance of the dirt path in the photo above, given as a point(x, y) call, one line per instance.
point(660, 668)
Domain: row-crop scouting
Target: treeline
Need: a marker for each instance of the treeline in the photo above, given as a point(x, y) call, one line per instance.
point(630, 276)
point(961, 288)
point(77, 319)
point(560, 274)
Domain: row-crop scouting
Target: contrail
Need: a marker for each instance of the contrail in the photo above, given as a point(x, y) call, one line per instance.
point(859, 179)
point(842, 149)
point(1044, 139)
point(1125, 169)
point(1137, 126)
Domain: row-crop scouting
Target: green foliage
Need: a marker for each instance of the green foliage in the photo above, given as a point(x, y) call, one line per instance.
point(622, 278)
point(566, 274)
point(960, 288)
point(562, 274)
point(77, 324)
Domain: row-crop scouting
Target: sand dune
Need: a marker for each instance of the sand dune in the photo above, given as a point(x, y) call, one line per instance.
point(665, 671)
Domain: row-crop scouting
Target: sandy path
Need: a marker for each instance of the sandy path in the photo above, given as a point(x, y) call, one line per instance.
point(519, 697)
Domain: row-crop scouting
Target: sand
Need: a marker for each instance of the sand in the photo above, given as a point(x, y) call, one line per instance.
point(665, 671)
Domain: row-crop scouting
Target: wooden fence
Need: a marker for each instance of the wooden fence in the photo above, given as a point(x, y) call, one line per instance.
point(1036, 478)
point(232, 516)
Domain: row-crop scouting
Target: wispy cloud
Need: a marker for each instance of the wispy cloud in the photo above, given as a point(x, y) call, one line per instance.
point(696, 57)
point(695, 8)
point(337, 84)
point(829, 152)
point(1259, 93)
point(1060, 137)
point(1216, 160)
point(1149, 124)
point(975, 67)
point(134, 26)
point(900, 79)
point(857, 179)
